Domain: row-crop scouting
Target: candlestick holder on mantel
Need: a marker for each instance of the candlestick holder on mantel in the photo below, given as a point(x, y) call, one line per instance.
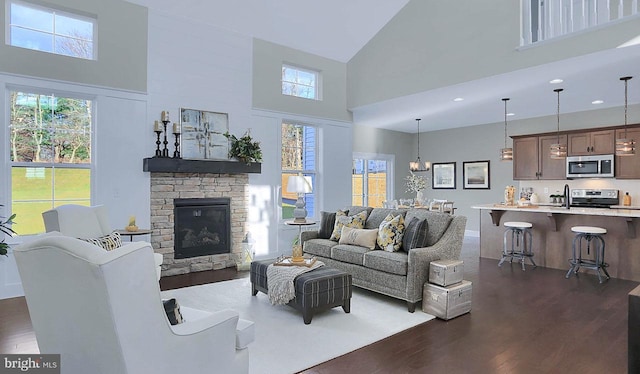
point(176, 153)
point(158, 142)
point(165, 150)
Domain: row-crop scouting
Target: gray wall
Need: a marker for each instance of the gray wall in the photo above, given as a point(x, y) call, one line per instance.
point(432, 43)
point(267, 87)
point(122, 49)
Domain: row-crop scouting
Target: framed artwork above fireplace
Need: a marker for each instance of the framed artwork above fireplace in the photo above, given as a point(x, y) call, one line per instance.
point(202, 134)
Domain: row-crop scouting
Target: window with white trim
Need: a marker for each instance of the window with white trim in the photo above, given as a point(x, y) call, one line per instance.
point(50, 141)
point(299, 157)
point(301, 82)
point(372, 179)
point(50, 30)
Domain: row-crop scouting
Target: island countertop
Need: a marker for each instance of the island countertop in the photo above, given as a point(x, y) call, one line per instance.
point(611, 212)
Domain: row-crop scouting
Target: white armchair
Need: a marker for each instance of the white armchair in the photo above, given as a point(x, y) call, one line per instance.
point(102, 311)
point(84, 222)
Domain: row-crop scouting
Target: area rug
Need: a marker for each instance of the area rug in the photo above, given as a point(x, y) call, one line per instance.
point(283, 343)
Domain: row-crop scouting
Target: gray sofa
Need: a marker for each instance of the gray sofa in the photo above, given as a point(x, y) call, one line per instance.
point(398, 274)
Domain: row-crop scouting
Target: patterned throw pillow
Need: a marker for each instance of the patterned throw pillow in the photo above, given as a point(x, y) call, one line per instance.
point(108, 242)
point(390, 233)
point(172, 308)
point(355, 221)
point(362, 237)
point(328, 222)
point(415, 236)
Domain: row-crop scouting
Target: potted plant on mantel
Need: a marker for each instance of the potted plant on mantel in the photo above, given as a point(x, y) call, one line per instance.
point(244, 149)
point(5, 228)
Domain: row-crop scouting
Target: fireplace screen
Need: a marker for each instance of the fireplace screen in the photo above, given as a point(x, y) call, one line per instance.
point(202, 227)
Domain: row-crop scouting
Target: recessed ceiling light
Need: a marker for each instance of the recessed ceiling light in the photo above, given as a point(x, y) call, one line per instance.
point(595, 102)
point(556, 81)
point(458, 99)
point(510, 114)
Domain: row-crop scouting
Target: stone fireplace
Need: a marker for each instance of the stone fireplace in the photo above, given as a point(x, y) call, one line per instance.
point(167, 187)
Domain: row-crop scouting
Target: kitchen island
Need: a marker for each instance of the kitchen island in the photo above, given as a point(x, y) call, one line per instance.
point(552, 236)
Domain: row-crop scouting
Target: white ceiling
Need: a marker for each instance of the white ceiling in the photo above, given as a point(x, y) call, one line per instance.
point(338, 29)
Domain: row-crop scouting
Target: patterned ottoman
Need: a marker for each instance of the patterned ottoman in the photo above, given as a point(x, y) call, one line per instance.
point(316, 290)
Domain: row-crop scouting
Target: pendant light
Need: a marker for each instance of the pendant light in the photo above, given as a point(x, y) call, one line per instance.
point(558, 151)
point(417, 165)
point(625, 146)
point(506, 154)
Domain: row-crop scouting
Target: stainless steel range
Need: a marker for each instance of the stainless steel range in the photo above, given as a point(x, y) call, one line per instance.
point(587, 198)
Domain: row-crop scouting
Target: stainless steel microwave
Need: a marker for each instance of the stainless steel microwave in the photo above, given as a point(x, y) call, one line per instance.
point(600, 166)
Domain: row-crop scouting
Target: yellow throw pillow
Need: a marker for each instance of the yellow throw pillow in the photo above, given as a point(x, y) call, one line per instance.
point(390, 233)
point(355, 221)
point(362, 237)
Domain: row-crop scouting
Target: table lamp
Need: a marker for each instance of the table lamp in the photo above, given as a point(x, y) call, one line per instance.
point(300, 185)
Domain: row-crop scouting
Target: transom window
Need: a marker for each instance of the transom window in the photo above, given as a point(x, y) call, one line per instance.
point(300, 82)
point(50, 30)
point(50, 153)
point(299, 154)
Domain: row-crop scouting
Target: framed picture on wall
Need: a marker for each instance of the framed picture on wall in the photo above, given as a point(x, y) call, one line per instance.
point(443, 175)
point(202, 134)
point(475, 175)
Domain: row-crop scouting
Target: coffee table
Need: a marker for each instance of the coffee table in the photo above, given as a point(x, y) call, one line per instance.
point(319, 289)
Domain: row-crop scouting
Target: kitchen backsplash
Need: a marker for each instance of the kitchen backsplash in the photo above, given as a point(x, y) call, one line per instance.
point(555, 187)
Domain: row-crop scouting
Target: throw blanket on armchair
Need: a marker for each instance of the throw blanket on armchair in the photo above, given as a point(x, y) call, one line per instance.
point(280, 281)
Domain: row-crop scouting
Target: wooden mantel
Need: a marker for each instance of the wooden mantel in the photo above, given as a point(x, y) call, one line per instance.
point(179, 165)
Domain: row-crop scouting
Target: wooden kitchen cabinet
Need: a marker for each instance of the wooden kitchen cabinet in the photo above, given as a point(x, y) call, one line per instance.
point(531, 158)
point(628, 167)
point(591, 143)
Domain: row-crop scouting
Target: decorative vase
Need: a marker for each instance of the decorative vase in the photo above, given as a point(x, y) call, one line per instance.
point(509, 193)
point(419, 198)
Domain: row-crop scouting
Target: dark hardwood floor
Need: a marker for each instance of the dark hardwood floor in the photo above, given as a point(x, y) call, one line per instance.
point(534, 321)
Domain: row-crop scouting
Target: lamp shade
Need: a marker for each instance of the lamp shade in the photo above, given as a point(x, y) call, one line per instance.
point(299, 184)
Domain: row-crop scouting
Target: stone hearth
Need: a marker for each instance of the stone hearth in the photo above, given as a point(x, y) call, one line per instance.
point(165, 187)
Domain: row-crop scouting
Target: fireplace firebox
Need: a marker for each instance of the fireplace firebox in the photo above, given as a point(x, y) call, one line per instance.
point(202, 227)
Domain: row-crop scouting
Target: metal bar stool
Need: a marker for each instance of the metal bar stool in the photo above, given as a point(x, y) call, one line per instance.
point(521, 243)
point(592, 235)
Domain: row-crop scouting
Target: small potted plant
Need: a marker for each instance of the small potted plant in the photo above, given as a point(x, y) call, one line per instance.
point(5, 228)
point(244, 148)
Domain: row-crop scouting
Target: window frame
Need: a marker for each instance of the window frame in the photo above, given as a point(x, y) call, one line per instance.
point(318, 81)
point(390, 185)
point(56, 11)
point(91, 166)
point(313, 173)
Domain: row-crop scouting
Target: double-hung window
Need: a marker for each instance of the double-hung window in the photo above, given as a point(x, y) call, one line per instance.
point(50, 30)
point(372, 179)
point(301, 82)
point(50, 139)
point(299, 157)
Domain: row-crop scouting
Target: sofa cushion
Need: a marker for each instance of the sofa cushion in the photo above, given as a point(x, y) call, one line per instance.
point(354, 209)
point(319, 247)
point(352, 254)
point(415, 235)
point(390, 233)
point(327, 223)
point(389, 262)
point(362, 237)
point(377, 215)
point(355, 221)
point(437, 223)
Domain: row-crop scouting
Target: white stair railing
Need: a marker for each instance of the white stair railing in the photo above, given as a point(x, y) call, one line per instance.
point(547, 19)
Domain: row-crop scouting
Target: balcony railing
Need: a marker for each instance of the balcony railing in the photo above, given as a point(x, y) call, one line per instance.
point(547, 19)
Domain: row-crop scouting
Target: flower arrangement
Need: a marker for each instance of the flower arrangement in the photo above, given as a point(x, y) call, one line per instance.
point(244, 148)
point(5, 228)
point(415, 183)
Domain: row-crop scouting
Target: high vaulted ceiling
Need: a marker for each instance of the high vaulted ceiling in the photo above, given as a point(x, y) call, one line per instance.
point(338, 29)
